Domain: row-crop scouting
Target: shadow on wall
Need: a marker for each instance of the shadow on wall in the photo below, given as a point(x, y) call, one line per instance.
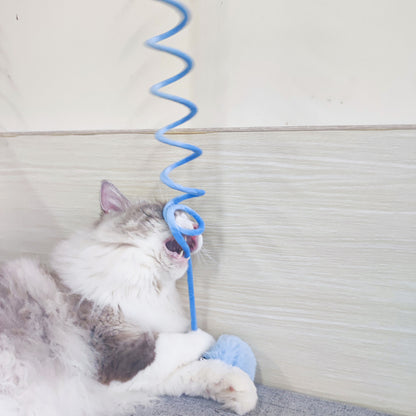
point(27, 223)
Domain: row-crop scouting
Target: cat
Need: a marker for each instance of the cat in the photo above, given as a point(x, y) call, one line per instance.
point(101, 329)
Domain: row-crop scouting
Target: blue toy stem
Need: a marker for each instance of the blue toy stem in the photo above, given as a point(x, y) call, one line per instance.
point(175, 204)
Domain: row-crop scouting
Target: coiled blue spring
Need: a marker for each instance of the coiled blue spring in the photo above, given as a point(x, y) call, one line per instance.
point(176, 203)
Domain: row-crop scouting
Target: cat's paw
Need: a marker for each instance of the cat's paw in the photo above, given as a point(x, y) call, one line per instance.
point(201, 342)
point(235, 390)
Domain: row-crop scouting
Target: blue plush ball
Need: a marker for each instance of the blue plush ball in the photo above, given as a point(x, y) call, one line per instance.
point(233, 351)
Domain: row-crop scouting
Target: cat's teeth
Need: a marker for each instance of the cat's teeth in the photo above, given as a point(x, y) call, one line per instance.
point(181, 253)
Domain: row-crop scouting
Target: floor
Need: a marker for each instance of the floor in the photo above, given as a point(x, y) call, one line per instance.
point(272, 402)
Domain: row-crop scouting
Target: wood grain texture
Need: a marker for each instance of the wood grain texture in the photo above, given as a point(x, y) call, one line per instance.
point(309, 248)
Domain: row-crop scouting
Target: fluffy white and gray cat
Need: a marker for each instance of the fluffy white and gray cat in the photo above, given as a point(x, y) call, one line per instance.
point(102, 329)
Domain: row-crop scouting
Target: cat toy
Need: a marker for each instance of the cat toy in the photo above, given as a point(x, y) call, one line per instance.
point(228, 348)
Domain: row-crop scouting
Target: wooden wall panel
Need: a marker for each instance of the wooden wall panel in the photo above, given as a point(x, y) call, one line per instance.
point(309, 248)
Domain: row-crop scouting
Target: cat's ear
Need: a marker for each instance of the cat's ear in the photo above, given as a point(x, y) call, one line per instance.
point(112, 200)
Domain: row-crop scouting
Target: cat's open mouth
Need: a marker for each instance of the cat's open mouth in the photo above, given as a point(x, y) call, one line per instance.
point(176, 250)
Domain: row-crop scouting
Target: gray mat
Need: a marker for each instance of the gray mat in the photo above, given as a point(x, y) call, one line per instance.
point(272, 402)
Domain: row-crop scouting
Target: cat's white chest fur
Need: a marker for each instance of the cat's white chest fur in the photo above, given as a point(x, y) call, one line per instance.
point(163, 314)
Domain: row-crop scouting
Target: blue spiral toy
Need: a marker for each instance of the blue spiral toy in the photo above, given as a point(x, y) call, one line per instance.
point(175, 204)
point(228, 348)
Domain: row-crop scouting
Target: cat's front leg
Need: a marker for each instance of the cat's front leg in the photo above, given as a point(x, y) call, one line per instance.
point(214, 379)
point(172, 351)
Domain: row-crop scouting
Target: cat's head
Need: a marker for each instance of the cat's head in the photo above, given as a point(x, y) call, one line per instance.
point(127, 259)
point(140, 225)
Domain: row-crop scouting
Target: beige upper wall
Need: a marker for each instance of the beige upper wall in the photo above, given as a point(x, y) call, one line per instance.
point(82, 65)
